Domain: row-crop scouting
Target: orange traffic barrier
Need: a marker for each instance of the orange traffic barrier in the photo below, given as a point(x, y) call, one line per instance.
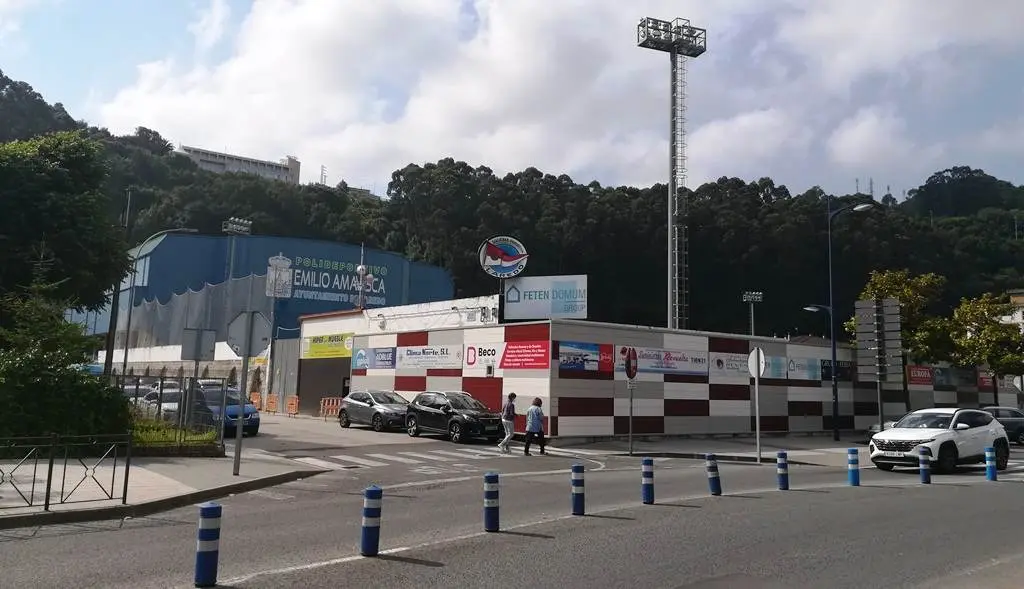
point(329, 407)
point(256, 398)
point(271, 403)
point(292, 405)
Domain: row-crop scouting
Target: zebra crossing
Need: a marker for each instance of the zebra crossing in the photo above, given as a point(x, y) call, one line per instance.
point(456, 456)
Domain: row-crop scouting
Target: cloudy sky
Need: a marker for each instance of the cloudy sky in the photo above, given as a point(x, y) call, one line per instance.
point(805, 91)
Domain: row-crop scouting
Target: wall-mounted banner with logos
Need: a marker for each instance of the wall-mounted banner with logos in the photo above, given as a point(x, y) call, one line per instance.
point(728, 366)
point(986, 382)
point(919, 375)
point(338, 345)
point(845, 373)
point(429, 357)
point(546, 297)
point(320, 279)
point(586, 357)
point(776, 367)
point(374, 358)
point(503, 256)
point(658, 361)
point(509, 355)
point(804, 369)
point(942, 379)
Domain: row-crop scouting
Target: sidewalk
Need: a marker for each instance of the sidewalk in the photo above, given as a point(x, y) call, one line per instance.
point(813, 450)
point(94, 492)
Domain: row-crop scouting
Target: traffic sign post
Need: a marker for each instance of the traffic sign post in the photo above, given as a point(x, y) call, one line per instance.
point(631, 365)
point(248, 335)
point(756, 365)
point(879, 344)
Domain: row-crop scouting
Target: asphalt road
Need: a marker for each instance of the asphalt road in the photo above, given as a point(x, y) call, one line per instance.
point(318, 519)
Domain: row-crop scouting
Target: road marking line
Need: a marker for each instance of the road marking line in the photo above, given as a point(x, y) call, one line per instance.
point(359, 461)
point(392, 458)
point(459, 455)
point(320, 463)
point(427, 456)
point(482, 451)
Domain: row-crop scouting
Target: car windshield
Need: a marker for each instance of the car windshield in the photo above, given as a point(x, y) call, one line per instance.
point(387, 398)
point(464, 401)
point(925, 421)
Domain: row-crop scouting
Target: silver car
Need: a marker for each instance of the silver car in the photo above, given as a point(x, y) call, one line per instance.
point(380, 409)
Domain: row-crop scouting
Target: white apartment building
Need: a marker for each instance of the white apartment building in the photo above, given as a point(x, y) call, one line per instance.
point(286, 170)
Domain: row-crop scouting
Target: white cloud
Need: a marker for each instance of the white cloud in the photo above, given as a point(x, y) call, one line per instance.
point(367, 87)
point(875, 138)
point(10, 11)
point(1006, 138)
point(210, 24)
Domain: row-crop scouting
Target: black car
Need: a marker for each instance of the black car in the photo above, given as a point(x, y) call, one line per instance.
point(1012, 419)
point(455, 414)
point(380, 409)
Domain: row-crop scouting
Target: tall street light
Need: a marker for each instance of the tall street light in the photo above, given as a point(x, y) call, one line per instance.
point(131, 289)
point(751, 297)
point(859, 207)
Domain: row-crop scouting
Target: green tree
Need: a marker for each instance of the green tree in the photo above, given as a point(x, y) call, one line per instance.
point(982, 338)
point(43, 389)
point(925, 336)
point(50, 193)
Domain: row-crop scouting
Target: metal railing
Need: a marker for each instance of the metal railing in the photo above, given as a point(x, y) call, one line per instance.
point(74, 469)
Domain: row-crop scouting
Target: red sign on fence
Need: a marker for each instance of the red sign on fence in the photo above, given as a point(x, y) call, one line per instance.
point(919, 375)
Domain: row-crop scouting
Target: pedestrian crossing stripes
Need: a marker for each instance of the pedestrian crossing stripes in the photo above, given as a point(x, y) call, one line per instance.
point(453, 456)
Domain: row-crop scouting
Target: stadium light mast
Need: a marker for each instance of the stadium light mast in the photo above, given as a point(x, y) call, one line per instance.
point(680, 40)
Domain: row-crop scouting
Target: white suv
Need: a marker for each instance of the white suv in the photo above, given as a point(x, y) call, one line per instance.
point(949, 437)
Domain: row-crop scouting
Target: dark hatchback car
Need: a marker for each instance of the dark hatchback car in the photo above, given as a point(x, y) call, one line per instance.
point(1012, 419)
point(380, 409)
point(455, 414)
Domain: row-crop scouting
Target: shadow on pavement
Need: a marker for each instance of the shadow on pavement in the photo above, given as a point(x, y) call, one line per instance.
point(605, 516)
point(678, 505)
point(410, 560)
point(526, 534)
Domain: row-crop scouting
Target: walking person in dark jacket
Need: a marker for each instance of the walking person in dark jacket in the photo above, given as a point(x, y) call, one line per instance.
point(534, 426)
point(508, 419)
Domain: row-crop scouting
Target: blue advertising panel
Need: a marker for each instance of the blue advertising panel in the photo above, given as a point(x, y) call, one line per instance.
point(374, 358)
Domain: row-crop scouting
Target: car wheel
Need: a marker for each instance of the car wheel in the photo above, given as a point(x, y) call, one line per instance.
point(1002, 455)
point(343, 419)
point(1020, 437)
point(883, 466)
point(455, 432)
point(378, 423)
point(411, 427)
point(948, 457)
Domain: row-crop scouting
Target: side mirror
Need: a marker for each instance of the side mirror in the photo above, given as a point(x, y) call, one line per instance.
point(962, 426)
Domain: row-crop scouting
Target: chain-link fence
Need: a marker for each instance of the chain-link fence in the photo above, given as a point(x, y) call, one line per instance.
point(184, 411)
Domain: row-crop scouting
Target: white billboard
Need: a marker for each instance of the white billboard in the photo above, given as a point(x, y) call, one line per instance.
point(546, 297)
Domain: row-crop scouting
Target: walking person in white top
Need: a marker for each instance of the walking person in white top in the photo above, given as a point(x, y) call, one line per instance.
point(534, 426)
point(508, 419)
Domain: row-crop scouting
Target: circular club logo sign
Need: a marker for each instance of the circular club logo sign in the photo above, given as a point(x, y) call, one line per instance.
point(503, 256)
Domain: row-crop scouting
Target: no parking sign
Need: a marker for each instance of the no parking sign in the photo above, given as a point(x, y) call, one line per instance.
point(631, 365)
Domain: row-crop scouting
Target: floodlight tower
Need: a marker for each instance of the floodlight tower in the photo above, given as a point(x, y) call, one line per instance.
point(680, 40)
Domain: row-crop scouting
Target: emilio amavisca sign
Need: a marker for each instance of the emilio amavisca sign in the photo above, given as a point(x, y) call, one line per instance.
point(326, 280)
point(546, 297)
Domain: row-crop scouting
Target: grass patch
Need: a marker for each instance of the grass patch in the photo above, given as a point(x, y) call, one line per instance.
point(153, 432)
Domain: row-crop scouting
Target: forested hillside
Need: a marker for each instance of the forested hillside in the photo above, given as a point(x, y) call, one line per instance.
point(960, 223)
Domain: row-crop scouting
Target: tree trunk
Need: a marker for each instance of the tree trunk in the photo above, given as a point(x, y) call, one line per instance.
point(995, 388)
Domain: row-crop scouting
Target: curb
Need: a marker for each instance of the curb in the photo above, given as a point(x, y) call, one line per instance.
point(720, 457)
point(136, 510)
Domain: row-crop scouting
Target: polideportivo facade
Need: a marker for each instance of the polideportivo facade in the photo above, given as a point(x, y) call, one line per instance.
point(689, 383)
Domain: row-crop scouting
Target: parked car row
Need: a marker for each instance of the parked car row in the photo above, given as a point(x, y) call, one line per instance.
point(455, 414)
point(206, 399)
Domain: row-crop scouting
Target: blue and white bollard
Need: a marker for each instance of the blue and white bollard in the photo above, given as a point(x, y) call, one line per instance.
point(853, 467)
point(491, 516)
point(578, 500)
point(714, 481)
point(369, 544)
point(990, 464)
point(924, 466)
point(208, 545)
point(647, 481)
point(782, 469)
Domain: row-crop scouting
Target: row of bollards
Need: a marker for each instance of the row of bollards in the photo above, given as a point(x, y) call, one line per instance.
point(208, 539)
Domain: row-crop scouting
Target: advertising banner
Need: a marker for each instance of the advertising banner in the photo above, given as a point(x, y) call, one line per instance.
point(986, 382)
point(586, 357)
point(374, 358)
point(546, 297)
point(429, 357)
point(965, 378)
point(804, 369)
point(943, 377)
point(659, 361)
point(728, 365)
point(845, 373)
point(919, 375)
point(323, 279)
point(776, 367)
point(338, 345)
point(509, 355)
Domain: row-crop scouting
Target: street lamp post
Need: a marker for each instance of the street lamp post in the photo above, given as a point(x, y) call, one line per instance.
point(234, 227)
point(751, 297)
point(830, 308)
point(131, 289)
